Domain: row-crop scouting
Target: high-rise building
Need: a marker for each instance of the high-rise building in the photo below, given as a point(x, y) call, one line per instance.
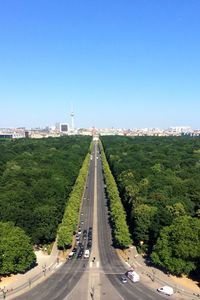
point(63, 127)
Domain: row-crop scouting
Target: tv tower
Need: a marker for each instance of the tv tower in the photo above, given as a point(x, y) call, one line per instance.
point(72, 119)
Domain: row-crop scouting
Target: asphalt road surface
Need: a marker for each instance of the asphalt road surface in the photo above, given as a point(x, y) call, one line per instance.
point(99, 277)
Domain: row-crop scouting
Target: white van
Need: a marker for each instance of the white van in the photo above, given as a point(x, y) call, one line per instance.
point(133, 276)
point(87, 253)
point(167, 290)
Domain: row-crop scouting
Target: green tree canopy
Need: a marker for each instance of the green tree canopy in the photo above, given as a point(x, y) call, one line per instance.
point(178, 246)
point(16, 252)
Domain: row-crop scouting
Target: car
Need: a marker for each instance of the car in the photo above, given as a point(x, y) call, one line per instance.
point(79, 231)
point(81, 246)
point(167, 290)
point(80, 254)
point(123, 279)
point(89, 244)
point(74, 250)
point(87, 253)
point(89, 236)
point(71, 254)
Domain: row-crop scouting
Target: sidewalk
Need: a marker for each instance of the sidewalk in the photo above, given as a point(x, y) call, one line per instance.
point(16, 284)
point(155, 278)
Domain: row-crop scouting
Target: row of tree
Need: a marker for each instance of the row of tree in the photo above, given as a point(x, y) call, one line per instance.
point(120, 230)
point(69, 224)
point(158, 179)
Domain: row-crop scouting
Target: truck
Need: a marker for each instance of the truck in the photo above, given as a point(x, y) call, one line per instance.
point(167, 290)
point(133, 276)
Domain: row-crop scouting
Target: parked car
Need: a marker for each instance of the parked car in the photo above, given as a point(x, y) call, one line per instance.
point(71, 254)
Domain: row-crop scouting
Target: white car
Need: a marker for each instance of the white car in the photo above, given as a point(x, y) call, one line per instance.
point(87, 253)
point(71, 254)
point(167, 290)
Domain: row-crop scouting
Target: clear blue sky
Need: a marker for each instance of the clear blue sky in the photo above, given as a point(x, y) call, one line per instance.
point(121, 63)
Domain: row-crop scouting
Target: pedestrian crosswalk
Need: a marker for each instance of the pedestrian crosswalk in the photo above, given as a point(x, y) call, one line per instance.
point(94, 264)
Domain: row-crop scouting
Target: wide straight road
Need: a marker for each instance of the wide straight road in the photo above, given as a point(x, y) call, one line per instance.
point(101, 274)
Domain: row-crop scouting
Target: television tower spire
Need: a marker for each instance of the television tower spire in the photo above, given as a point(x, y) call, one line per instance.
point(72, 119)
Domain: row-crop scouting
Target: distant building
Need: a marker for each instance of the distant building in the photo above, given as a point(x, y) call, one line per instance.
point(63, 127)
point(6, 136)
point(27, 134)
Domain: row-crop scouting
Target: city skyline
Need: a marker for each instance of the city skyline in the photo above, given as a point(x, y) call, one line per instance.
point(124, 65)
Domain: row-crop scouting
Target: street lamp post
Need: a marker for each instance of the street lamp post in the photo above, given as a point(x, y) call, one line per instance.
point(4, 291)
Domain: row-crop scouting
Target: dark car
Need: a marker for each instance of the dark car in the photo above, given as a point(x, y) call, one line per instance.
point(81, 247)
point(89, 244)
point(80, 254)
point(74, 250)
point(123, 279)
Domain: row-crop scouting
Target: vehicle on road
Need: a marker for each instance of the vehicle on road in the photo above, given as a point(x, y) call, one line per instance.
point(80, 254)
point(167, 290)
point(71, 254)
point(123, 279)
point(90, 235)
point(87, 253)
point(81, 246)
point(89, 244)
point(133, 276)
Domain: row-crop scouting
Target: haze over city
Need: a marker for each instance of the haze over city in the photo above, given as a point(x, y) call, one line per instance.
point(121, 64)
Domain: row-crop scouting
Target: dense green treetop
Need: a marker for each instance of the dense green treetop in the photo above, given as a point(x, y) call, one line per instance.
point(158, 179)
point(36, 177)
point(16, 251)
point(178, 246)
